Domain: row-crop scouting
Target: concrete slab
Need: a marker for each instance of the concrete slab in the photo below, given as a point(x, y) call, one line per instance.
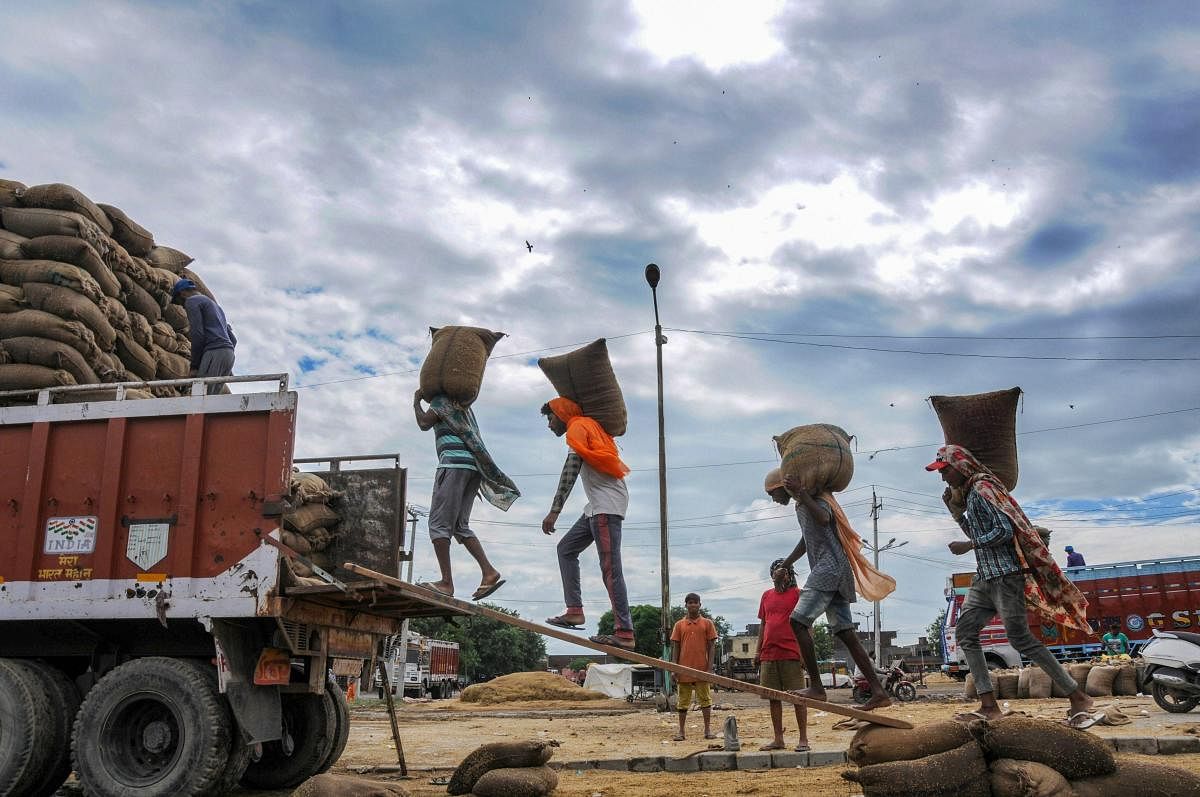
point(754, 760)
point(718, 761)
point(646, 764)
point(825, 758)
point(1146, 745)
point(788, 759)
point(617, 764)
point(1175, 745)
point(691, 764)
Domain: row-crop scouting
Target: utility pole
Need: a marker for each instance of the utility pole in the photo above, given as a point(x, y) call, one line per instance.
point(653, 274)
point(876, 505)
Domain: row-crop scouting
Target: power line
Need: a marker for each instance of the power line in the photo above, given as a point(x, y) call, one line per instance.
point(951, 337)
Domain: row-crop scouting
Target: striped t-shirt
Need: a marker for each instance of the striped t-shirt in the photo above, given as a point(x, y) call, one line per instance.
point(451, 451)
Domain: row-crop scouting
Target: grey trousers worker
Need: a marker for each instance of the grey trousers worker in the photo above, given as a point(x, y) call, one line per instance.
point(454, 491)
point(216, 362)
point(1005, 596)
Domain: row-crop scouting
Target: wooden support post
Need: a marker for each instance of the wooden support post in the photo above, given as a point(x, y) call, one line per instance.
point(391, 707)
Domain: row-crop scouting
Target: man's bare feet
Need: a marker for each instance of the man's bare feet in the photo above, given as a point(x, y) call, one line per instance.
point(812, 693)
point(878, 700)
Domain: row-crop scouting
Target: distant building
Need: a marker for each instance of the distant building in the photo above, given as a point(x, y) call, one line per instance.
point(739, 651)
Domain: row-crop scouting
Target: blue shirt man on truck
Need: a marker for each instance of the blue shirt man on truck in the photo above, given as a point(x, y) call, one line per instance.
point(211, 336)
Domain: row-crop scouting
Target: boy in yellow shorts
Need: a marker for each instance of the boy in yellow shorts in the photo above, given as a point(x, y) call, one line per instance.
point(693, 640)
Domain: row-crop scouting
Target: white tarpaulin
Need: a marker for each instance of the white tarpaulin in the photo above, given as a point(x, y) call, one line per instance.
point(614, 680)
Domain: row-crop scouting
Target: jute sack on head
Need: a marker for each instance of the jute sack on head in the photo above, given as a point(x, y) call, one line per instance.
point(66, 303)
point(10, 191)
point(1006, 684)
point(136, 239)
point(986, 425)
point(817, 456)
point(1027, 779)
point(138, 299)
point(10, 245)
point(498, 755)
point(1041, 685)
point(12, 298)
point(455, 363)
point(877, 744)
point(51, 354)
point(327, 785)
point(135, 358)
point(961, 771)
point(51, 272)
point(37, 324)
point(16, 376)
point(1140, 778)
point(1100, 680)
point(60, 196)
point(586, 377)
point(77, 252)
point(516, 782)
point(170, 259)
point(1126, 682)
point(1074, 753)
point(36, 222)
point(168, 365)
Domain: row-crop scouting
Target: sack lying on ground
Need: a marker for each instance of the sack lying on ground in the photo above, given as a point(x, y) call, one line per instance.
point(19, 272)
point(456, 361)
point(1040, 684)
point(66, 303)
point(10, 245)
point(878, 744)
point(586, 377)
point(77, 252)
point(1027, 779)
point(516, 782)
point(136, 239)
point(1006, 682)
point(1074, 753)
point(1079, 672)
point(15, 376)
point(961, 771)
point(51, 354)
point(1126, 682)
point(817, 456)
point(346, 786)
point(60, 196)
point(969, 690)
point(986, 425)
point(1100, 680)
point(498, 755)
point(1023, 683)
point(1140, 778)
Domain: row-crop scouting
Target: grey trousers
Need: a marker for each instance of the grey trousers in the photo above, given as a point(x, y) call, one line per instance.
point(216, 362)
point(605, 531)
point(454, 491)
point(1004, 596)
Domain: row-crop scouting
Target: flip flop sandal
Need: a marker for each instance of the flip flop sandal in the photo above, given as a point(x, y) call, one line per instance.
point(483, 591)
point(1082, 720)
point(562, 622)
point(613, 641)
point(802, 748)
point(429, 585)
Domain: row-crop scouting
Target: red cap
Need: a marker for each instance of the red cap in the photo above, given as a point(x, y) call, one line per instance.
point(937, 464)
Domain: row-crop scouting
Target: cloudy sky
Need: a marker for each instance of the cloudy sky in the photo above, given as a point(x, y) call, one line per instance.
point(854, 206)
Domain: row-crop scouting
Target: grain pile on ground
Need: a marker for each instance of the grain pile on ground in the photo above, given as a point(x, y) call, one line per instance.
point(522, 686)
point(85, 294)
point(310, 527)
point(986, 425)
point(1142, 778)
point(519, 769)
point(816, 455)
point(456, 360)
point(586, 377)
point(347, 786)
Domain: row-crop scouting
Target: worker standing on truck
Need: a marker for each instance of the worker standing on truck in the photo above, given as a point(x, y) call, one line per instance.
point(693, 640)
point(593, 453)
point(1074, 558)
point(1014, 569)
point(212, 339)
point(465, 469)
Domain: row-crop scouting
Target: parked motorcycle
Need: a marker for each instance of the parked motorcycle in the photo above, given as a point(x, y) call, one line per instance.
point(1173, 670)
point(895, 683)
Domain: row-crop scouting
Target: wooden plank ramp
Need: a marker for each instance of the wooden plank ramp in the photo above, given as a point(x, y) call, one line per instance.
point(459, 606)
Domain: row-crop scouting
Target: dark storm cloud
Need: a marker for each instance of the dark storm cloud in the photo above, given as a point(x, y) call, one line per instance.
point(1057, 242)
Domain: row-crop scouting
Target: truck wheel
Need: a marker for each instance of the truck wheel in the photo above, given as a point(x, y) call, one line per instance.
point(26, 728)
point(240, 753)
point(309, 723)
point(152, 726)
point(64, 705)
point(1171, 701)
point(341, 729)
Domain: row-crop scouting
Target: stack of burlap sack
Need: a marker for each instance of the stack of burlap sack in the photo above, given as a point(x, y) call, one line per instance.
point(85, 294)
point(506, 769)
point(1010, 757)
point(310, 527)
point(1098, 680)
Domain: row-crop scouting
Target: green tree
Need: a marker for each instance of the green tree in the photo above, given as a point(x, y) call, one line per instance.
point(647, 625)
point(487, 647)
point(579, 664)
point(822, 641)
point(935, 629)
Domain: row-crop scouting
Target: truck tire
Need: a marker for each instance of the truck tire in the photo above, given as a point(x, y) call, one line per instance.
point(26, 730)
point(240, 753)
point(64, 705)
point(150, 727)
point(310, 721)
point(341, 730)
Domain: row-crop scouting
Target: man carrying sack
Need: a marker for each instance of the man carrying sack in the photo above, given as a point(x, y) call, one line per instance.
point(1014, 570)
point(593, 454)
point(836, 565)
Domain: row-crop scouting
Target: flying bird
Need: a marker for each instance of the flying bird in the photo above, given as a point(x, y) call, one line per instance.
point(529, 246)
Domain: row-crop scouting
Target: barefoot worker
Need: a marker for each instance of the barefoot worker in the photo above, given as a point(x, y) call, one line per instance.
point(835, 566)
point(593, 454)
point(465, 469)
point(693, 640)
point(778, 659)
point(1014, 570)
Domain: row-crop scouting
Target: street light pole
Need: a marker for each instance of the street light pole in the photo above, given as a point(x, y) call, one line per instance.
point(875, 507)
point(652, 277)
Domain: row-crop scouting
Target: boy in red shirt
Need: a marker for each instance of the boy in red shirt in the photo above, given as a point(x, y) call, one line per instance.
point(778, 656)
point(693, 640)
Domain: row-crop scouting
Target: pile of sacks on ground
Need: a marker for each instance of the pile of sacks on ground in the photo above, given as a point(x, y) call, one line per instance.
point(1010, 757)
point(1117, 679)
point(506, 769)
point(310, 526)
point(85, 295)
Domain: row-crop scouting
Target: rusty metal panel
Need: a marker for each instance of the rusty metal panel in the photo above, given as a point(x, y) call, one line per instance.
point(372, 518)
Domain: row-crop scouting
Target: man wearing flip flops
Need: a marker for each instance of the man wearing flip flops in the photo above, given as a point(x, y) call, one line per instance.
point(1015, 571)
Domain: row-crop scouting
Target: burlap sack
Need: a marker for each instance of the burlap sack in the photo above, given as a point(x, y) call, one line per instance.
point(327, 785)
point(986, 425)
point(817, 456)
point(170, 366)
point(37, 324)
point(1126, 682)
point(877, 744)
point(456, 361)
point(1040, 684)
point(961, 771)
point(586, 377)
point(59, 196)
point(1100, 680)
point(1006, 684)
point(176, 316)
point(101, 394)
point(51, 354)
point(4, 358)
point(12, 298)
point(187, 273)
point(120, 261)
point(1140, 778)
point(161, 283)
point(1027, 779)
point(1079, 671)
point(135, 358)
point(51, 272)
point(497, 755)
point(516, 782)
point(170, 259)
point(10, 191)
point(164, 336)
point(297, 542)
point(36, 222)
point(66, 303)
point(116, 314)
point(77, 252)
point(1023, 683)
point(307, 517)
point(309, 488)
point(10, 245)
point(138, 299)
point(139, 327)
point(969, 690)
point(183, 346)
point(14, 376)
point(136, 239)
point(1073, 753)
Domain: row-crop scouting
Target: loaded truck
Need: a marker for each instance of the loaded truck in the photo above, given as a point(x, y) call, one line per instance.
point(1134, 597)
point(153, 637)
point(430, 667)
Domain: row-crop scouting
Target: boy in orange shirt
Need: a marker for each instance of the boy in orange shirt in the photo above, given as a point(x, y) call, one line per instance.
point(693, 640)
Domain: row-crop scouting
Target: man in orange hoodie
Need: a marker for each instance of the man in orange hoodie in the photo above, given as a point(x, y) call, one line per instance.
point(592, 454)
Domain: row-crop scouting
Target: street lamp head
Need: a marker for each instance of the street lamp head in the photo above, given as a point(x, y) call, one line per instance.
point(652, 275)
